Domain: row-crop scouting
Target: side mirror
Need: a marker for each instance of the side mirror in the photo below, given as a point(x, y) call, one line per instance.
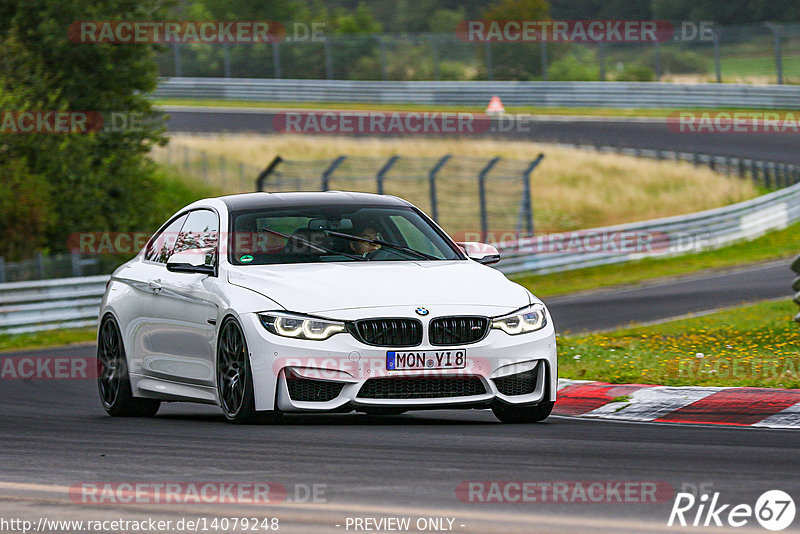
point(480, 252)
point(197, 260)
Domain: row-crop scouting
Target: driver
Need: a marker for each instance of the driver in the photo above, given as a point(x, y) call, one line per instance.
point(362, 248)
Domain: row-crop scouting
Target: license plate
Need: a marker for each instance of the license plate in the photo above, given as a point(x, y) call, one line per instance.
point(426, 359)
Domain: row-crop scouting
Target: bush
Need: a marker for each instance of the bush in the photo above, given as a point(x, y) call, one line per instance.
point(675, 61)
point(636, 73)
point(570, 68)
point(25, 214)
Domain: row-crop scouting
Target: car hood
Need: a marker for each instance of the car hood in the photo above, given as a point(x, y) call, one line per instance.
point(318, 288)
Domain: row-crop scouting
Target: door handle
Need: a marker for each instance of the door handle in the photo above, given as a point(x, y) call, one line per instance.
point(155, 285)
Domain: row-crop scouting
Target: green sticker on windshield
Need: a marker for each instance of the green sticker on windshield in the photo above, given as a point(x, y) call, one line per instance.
point(247, 258)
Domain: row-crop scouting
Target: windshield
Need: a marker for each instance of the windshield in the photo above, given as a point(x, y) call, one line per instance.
point(335, 233)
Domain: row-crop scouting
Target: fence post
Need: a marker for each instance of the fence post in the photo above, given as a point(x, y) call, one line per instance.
point(382, 172)
point(75, 260)
point(527, 201)
point(766, 173)
point(276, 59)
point(39, 262)
point(226, 59)
point(776, 33)
point(263, 175)
point(601, 55)
point(326, 176)
point(382, 50)
point(754, 169)
point(658, 61)
point(434, 57)
point(717, 65)
point(543, 58)
point(482, 196)
point(488, 51)
point(432, 181)
point(328, 59)
point(2, 269)
point(176, 58)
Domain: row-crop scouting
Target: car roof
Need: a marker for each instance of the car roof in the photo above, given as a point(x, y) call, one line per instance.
point(249, 201)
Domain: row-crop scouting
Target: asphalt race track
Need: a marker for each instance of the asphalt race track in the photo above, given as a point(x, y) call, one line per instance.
point(606, 309)
point(634, 133)
point(55, 434)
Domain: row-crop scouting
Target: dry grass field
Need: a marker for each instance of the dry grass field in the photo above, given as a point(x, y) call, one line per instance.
point(571, 189)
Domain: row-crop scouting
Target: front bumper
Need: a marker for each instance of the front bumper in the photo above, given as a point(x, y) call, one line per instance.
point(343, 374)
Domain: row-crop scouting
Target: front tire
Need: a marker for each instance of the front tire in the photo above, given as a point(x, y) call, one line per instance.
point(523, 414)
point(113, 381)
point(235, 379)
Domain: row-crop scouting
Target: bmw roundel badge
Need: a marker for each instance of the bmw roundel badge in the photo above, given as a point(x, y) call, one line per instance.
point(422, 311)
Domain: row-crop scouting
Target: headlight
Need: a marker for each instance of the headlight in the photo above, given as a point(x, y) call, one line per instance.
point(300, 326)
point(528, 319)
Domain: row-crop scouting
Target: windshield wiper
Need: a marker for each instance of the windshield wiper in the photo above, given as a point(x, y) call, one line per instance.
point(417, 253)
point(314, 245)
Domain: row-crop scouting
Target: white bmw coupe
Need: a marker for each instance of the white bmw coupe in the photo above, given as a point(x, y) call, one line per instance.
point(265, 304)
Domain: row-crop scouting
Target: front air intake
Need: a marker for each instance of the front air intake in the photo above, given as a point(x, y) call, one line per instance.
point(400, 332)
point(436, 387)
point(457, 330)
point(518, 384)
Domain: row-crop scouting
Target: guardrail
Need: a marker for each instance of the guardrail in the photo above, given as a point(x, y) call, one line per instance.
point(541, 94)
point(796, 284)
point(667, 236)
point(50, 304)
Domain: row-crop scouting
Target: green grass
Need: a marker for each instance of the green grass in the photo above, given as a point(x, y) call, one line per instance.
point(533, 110)
point(756, 345)
point(759, 66)
point(772, 246)
point(50, 338)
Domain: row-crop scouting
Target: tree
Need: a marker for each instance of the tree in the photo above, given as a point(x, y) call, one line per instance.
point(516, 60)
point(93, 181)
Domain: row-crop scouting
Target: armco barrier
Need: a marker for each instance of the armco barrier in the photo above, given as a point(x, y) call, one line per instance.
point(544, 94)
point(50, 304)
point(698, 231)
point(796, 284)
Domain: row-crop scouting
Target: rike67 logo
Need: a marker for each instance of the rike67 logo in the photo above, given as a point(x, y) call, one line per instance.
point(774, 510)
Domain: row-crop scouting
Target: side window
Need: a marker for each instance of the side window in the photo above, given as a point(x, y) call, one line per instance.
point(160, 247)
point(201, 230)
